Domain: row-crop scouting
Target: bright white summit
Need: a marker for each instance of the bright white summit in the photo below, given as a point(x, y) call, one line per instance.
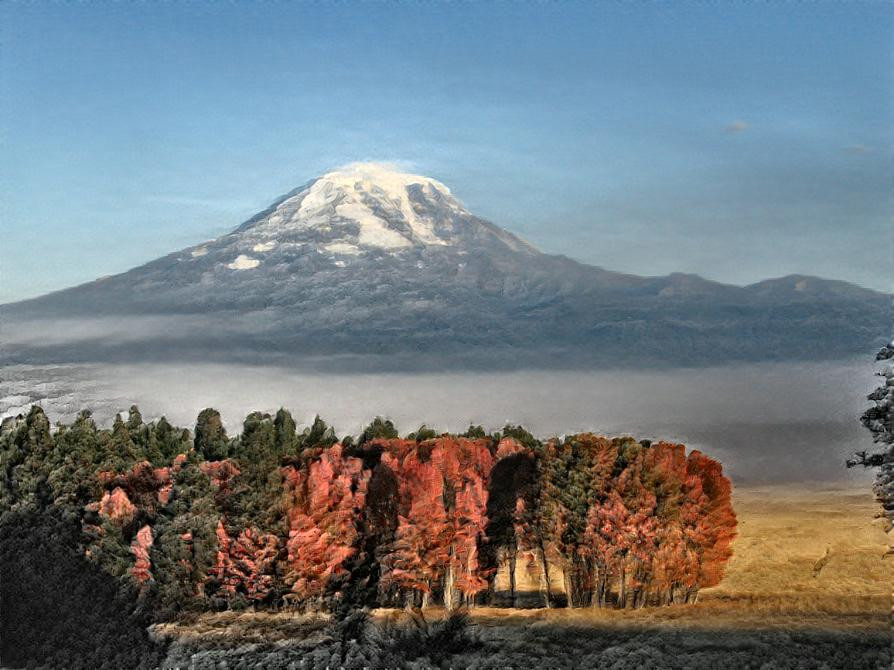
point(358, 209)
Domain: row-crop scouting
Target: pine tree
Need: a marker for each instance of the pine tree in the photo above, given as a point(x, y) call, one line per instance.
point(211, 439)
point(878, 419)
point(120, 452)
point(285, 434)
point(184, 552)
point(378, 429)
point(28, 459)
point(319, 434)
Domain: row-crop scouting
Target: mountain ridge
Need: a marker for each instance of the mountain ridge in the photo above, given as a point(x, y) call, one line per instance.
point(366, 260)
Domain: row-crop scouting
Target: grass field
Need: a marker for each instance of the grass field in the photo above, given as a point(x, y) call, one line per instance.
point(807, 587)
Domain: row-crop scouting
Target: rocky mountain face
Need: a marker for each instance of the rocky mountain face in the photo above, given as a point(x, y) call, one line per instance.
point(368, 262)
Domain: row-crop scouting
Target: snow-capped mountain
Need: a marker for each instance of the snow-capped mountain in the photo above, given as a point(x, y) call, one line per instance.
point(367, 207)
point(367, 259)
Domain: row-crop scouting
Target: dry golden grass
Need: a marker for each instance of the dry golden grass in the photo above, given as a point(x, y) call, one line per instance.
point(246, 627)
point(786, 535)
point(809, 555)
point(785, 532)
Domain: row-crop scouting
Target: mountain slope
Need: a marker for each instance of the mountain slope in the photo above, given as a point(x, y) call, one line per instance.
point(367, 260)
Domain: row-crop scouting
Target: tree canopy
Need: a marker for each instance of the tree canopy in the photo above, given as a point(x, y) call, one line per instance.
point(275, 515)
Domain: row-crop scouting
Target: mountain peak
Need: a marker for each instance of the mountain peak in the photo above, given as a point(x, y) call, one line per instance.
point(384, 177)
point(368, 207)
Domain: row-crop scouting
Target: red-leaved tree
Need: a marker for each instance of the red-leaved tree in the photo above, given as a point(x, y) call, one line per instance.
point(325, 497)
point(442, 516)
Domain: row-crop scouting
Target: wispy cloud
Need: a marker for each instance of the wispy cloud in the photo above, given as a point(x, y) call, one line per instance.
point(856, 149)
point(737, 126)
point(188, 201)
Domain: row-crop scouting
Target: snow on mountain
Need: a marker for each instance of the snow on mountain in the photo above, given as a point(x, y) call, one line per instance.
point(381, 201)
point(360, 208)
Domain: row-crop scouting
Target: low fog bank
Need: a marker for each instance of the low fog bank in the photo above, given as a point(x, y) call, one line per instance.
point(765, 422)
point(329, 341)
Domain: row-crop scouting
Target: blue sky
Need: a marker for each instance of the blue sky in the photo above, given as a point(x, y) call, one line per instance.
point(737, 141)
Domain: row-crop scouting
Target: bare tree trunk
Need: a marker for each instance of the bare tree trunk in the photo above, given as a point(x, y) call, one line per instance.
point(642, 599)
point(544, 575)
point(622, 588)
point(602, 581)
point(450, 594)
point(566, 580)
point(576, 576)
point(512, 559)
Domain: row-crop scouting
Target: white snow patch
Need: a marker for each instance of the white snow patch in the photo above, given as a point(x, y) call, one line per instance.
point(244, 262)
point(340, 264)
point(263, 246)
point(342, 248)
point(376, 197)
point(374, 231)
point(200, 251)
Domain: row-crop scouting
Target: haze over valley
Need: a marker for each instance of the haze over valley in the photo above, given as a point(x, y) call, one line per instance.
point(766, 422)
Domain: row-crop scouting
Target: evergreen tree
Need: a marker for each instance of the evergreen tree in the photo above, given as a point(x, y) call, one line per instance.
point(167, 442)
point(878, 419)
point(379, 429)
point(134, 419)
point(141, 435)
point(475, 432)
point(318, 435)
point(423, 433)
point(184, 552)
point(28, 456)
point(211, 439)
point(74, 481)
point(285, 433)
point(257, 502)
point(83, 436)
point(120, 452)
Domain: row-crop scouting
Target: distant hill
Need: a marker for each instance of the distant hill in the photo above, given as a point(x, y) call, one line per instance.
point(369, 264)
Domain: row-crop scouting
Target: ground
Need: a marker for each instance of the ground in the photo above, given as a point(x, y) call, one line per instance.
point(807, 587)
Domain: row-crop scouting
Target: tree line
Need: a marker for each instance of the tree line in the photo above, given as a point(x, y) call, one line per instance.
point(199, 520)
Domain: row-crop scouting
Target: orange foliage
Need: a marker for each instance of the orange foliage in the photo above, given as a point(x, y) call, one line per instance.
point(324, 498)
point(140, 547)
point(117, 506)
point(442, 512)
point(246, 564)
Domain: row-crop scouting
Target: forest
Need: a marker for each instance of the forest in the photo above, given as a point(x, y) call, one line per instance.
point(173, 521)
